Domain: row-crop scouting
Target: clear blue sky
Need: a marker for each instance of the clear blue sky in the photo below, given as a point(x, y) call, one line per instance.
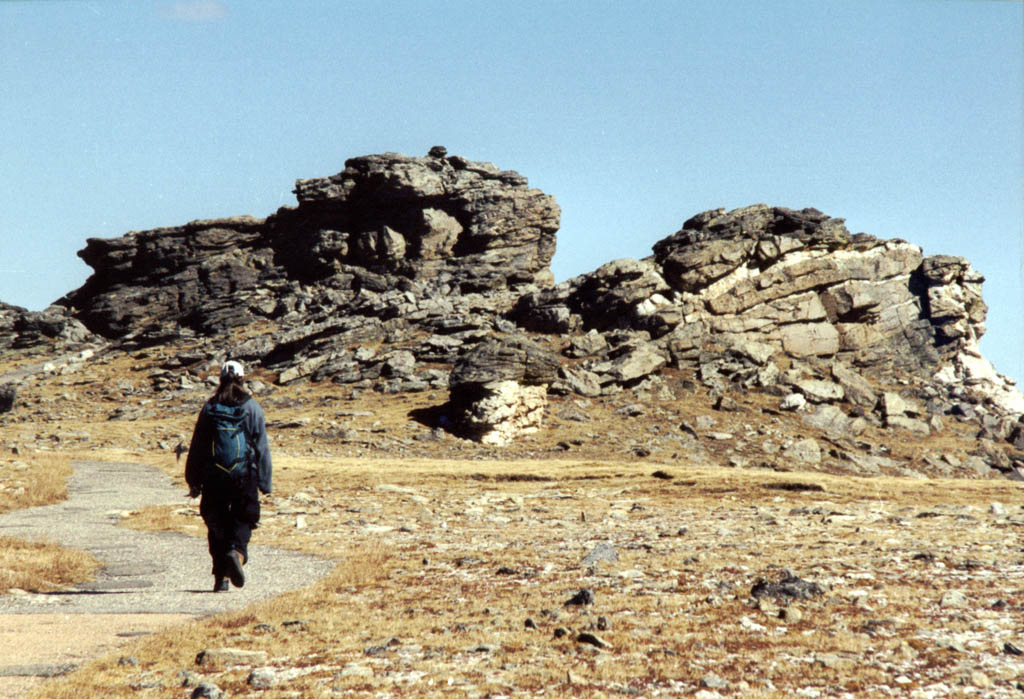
point(902, 116)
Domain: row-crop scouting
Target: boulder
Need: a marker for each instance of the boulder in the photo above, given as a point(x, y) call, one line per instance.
point(8, 397)
point(855, 387)
point(498, 390)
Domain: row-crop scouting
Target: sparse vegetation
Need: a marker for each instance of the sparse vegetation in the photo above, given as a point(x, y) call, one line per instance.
point(41, 566)
point(445, 549)
point(441, 564)
point(33, 479)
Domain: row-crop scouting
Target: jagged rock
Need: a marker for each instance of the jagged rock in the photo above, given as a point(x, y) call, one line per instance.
point(513, 358)
point(788, 586)
point(834, 421)
point(503, 411)
point(793, 401)
point(855, 387)
point(636, 363)
point(587, 345)
point(796, 282)
point(818, 391)
point(893, 405)
point(580, 381)
point(422, 227)
point(806, 450)
point(498, 390)
point(908, 423)
point(21, 328)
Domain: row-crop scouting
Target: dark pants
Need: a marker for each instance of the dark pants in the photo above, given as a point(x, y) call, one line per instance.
point(231, 510)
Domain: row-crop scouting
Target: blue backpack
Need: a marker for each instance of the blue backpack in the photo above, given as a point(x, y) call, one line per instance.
point(230, 441)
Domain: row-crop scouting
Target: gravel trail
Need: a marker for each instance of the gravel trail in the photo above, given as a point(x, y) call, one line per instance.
point(145, 573)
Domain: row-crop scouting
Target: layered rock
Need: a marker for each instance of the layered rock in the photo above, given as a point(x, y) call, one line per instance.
point(795, 282)
point(418, 229)
point(499, 389)
point(21, 328)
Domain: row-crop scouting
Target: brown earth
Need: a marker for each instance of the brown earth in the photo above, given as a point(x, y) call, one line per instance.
point(457, 559)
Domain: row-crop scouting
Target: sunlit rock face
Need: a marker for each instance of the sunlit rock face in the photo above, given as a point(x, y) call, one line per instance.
point(795, 281)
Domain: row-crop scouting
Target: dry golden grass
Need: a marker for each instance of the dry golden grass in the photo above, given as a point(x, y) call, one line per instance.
point(40, 566)
point(33, 479)
point(441, 563)
point(446, 548)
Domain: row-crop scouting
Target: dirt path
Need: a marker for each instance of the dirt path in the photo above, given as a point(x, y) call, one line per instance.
point(150, 580)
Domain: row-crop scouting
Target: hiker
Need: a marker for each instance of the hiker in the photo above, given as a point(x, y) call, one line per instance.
point(228, 460)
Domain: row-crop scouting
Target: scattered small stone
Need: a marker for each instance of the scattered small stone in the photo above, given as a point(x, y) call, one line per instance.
point(788, 586)
point(581, 598)
point(793, 402)
point(791, 615)
point(602, 623)
point(561, 632)
point(593, 640)
point(530, 623)
point(713, 681)
point(207, 690)
point(231, 656)
point(128, 661)
point(954, 599)
point(663, 475)
point(603, 552)
point(1011, 649)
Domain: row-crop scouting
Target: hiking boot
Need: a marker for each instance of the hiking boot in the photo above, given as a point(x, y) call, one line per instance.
point(221, 585)
point(234, 562)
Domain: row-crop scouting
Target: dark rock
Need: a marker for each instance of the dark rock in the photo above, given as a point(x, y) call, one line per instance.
point(206, 690)
point(788, 586)
point(8, 397)
point(592, 639)
point(581, 598)
point(513, 358)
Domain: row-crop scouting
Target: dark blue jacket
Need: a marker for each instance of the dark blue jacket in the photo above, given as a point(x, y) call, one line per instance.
point(200, 451)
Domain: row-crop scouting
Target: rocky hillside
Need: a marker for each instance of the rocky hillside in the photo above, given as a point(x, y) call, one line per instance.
point(403, 275)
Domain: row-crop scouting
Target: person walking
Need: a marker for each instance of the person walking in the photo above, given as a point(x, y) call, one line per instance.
point(228, 462)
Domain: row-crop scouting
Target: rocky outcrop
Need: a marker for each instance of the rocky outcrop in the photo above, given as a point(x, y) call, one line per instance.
point(22, 329)
point(499, 389)
point(404, 274)
point(388, 236)
point(795, 284)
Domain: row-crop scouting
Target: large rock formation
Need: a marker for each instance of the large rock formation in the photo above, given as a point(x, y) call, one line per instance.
point(397, 269)
point(795, 283)
point(421, 229)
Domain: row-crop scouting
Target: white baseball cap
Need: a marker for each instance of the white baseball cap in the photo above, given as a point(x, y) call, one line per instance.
point(232, 368)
